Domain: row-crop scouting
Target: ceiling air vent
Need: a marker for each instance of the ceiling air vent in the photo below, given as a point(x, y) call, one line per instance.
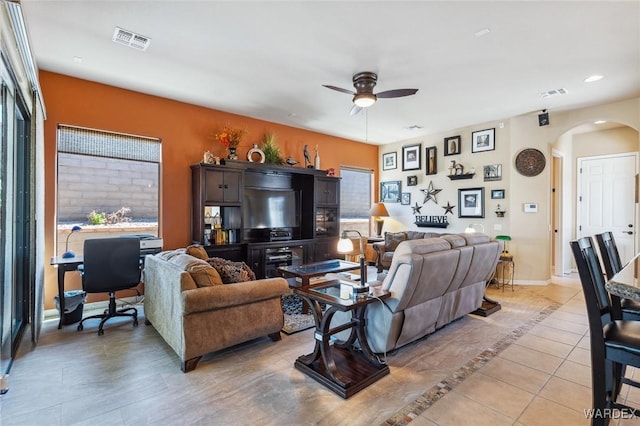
point(554, 92)
point(131, 39)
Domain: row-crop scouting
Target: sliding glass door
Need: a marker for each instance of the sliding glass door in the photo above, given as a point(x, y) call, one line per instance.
point(16, 221)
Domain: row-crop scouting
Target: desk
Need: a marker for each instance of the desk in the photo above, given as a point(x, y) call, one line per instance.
point(334, 363)
point(625, 283)
point(64, 265)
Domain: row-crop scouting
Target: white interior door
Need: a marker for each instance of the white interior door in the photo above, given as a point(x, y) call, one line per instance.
point(607, 199)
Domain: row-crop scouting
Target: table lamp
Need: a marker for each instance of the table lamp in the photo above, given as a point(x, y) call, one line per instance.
point(69, 253)
point(474, 227)
point(345, 245)
point(505, 255)
point(378, 210)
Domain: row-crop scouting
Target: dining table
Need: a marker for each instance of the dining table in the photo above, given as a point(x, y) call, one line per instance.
point(625, 284)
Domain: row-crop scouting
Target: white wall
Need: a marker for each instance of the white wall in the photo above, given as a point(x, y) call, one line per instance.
point(530, 231)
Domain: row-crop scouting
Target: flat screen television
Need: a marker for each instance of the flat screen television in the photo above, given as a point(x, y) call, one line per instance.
point(271, 208)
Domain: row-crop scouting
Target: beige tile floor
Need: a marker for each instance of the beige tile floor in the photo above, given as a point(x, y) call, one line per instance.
point(130, 376)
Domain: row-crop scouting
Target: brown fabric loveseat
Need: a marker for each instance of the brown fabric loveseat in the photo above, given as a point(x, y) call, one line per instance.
point(195, 313)
point(386, 248)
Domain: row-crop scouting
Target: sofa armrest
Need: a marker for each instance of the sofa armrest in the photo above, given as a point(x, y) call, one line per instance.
point(227, 295)
point(378, 246)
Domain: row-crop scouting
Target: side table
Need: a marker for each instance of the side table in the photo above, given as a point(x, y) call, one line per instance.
point(338, 364)
point(507, 271)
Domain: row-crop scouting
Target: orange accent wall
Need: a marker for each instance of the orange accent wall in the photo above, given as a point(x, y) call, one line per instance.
point(186, 132)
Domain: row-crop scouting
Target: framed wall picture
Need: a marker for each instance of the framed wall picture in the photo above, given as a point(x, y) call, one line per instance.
point(406, 198)
point(452, 145)
point(483, 140)
point(390, 191)
point(471, 202)
point(412, 180)
point(431, 157)
point(390, 161)
point(497, 193)
point(492, 172)
point(411, 157)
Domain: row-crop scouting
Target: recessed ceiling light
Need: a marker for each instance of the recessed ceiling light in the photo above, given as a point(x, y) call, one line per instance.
point(77, 59)
point(291, 114)
point(600, 122)
point(593, 78)
point(482, 32)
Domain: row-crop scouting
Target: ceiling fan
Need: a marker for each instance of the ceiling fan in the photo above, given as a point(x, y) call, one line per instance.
point(363, 97)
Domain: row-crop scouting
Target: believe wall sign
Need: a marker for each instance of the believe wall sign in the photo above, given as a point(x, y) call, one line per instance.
point(432, 221)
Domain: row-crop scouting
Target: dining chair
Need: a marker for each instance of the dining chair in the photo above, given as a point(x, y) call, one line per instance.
point(110, 265)
point(615, 343)
point(630, 309)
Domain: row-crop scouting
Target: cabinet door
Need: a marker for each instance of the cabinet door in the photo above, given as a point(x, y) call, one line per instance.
point(328, 191)
point(326, 249)
point(213, 185)
point(255, 260)
point(222, 186)
point(232, 188)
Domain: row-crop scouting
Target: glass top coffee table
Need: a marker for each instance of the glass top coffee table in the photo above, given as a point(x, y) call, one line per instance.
point(344, 366)
point(304, 273)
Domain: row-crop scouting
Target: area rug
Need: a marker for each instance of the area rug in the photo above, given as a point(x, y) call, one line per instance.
point(294, 320)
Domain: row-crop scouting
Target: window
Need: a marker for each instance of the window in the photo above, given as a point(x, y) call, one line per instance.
point(355, 199)
point(108, 183)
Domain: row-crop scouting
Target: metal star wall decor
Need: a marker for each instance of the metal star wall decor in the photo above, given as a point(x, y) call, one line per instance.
point(430, 193)
point(448, 208)
point(416, 209)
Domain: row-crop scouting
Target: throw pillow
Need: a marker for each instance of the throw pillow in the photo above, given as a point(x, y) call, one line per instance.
point(392, 239)
point(198, 251)
point(232, 272)
point(202, 273)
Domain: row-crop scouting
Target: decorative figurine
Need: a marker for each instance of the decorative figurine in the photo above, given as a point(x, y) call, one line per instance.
point(307, 157)
point(291, 161)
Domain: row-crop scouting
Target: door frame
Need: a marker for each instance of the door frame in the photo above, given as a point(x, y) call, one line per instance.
point(579, 177)
point(558, 228)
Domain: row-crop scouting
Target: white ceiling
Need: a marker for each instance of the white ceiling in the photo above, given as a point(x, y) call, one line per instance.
point(269, 60)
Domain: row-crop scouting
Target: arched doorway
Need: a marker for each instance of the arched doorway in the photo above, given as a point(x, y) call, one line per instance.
point(606, 140)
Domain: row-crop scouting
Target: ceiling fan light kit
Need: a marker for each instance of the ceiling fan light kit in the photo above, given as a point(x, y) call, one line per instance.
point(364, 100)
point(363, 97)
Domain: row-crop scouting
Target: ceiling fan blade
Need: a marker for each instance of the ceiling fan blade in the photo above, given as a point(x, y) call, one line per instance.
point(396, 93)
point(355, 109)
point(339, 89)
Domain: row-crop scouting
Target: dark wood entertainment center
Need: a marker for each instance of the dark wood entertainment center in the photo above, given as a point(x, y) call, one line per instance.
point(221, 194)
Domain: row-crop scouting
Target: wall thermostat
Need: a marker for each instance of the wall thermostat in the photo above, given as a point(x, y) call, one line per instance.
point(530, 208)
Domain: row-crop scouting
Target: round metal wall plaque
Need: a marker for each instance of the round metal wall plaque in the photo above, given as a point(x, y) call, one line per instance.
point(530, 162)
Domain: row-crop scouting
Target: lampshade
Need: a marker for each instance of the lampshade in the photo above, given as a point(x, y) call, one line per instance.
point(364, 100)
point(378, 209)
point(345, 245)
point(474, 227)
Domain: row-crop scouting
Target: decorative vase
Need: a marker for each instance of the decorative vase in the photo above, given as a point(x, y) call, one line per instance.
point(257, 151)
point(232, 153)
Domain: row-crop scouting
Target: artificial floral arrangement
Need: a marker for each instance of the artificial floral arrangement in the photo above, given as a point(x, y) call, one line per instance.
point(270, 149)
point(229, 137)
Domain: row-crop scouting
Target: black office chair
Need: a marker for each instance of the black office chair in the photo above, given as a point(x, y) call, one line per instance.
point(111, 264)
point(630, 309)
point(615, 343)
